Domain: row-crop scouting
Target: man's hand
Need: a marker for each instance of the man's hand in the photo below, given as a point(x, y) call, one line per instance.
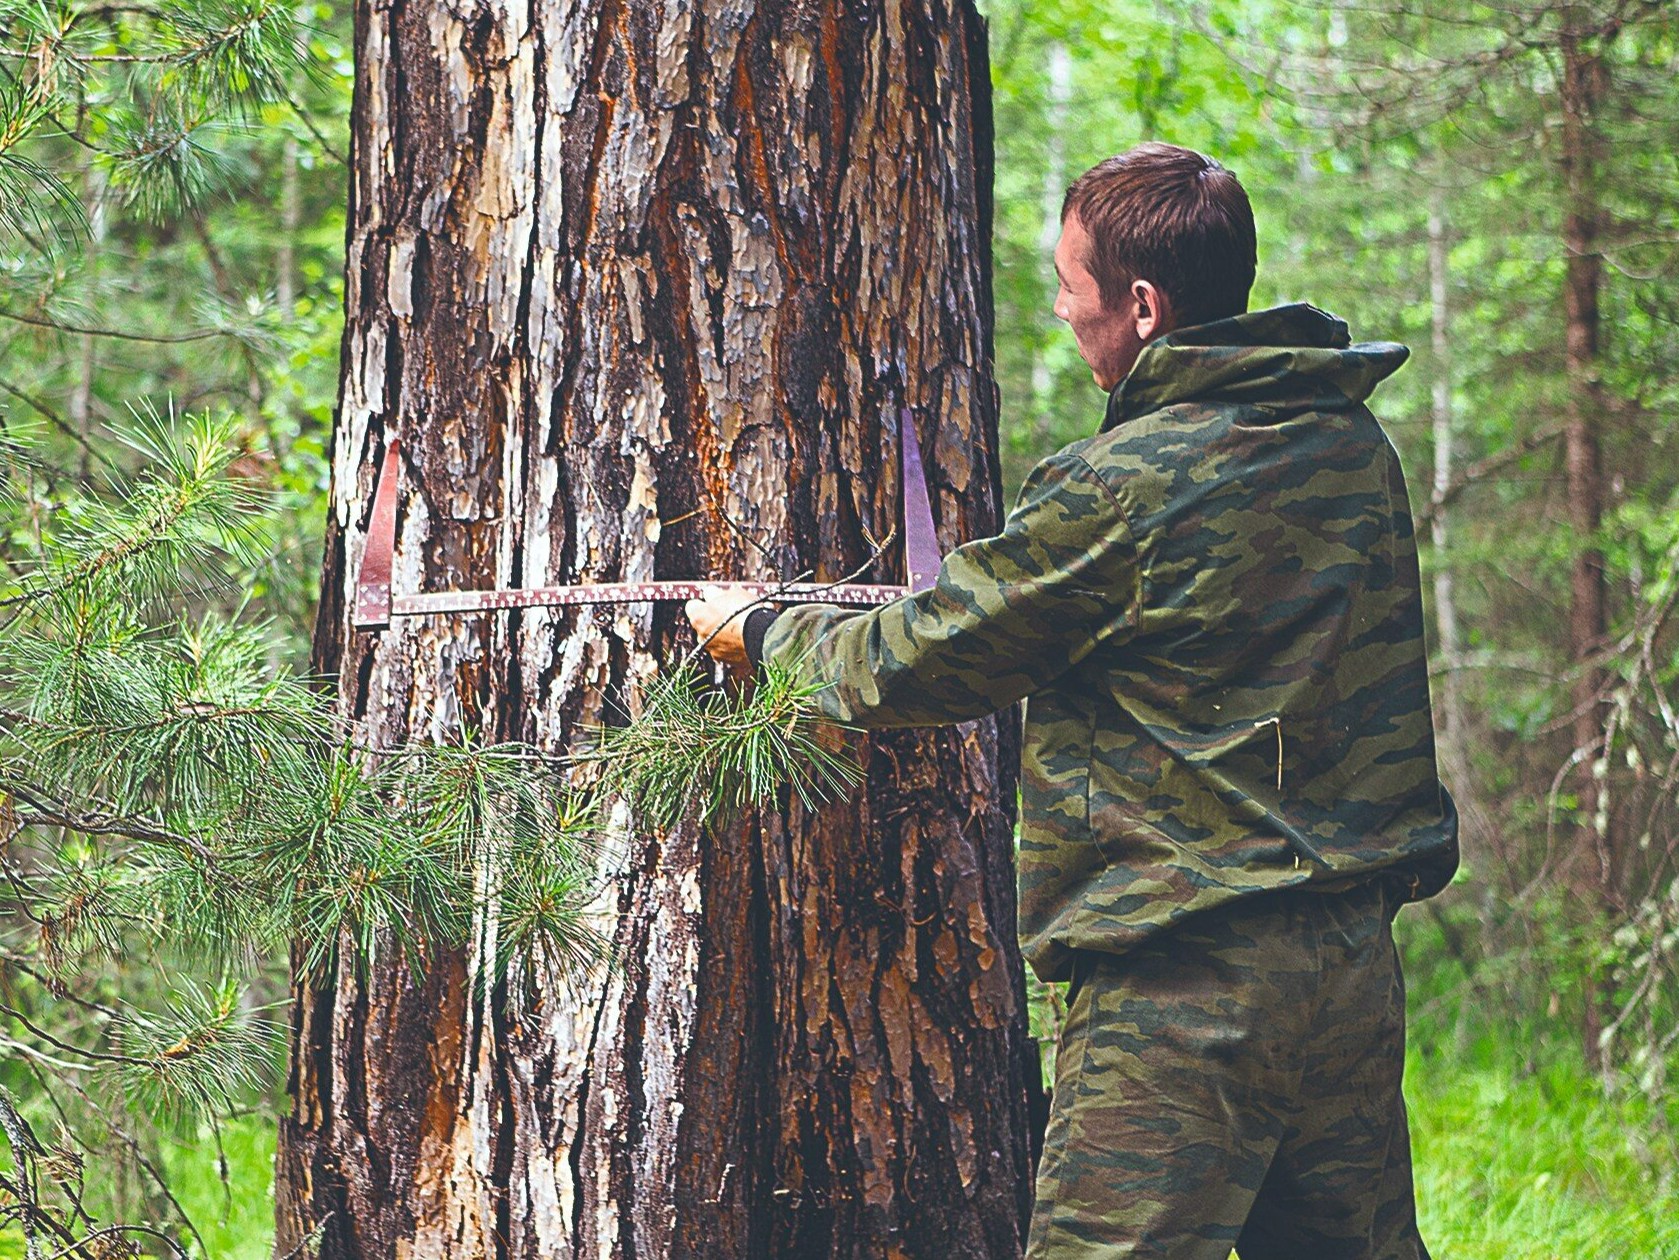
point(720, 617)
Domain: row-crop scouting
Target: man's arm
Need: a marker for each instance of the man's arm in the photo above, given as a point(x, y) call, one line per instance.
point(1006, 617)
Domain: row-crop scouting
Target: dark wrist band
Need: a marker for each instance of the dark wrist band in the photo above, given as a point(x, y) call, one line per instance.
point(753, 630)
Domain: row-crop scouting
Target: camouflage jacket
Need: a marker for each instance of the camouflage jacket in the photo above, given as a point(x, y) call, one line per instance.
point(1212, 610)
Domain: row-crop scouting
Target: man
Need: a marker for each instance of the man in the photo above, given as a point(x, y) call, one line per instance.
point(1228, 784)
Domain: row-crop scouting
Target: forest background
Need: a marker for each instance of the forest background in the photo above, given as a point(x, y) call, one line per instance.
point(1495, 186)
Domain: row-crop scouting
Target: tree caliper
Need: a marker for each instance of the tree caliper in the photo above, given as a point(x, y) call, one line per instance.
point(377, 603)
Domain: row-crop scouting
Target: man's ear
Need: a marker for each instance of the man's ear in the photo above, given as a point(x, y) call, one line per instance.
point(1154, 310)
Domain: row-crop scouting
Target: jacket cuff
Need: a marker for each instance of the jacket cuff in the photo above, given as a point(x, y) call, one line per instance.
point(753, 630)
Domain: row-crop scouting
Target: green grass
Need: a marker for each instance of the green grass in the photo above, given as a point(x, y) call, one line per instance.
point(1519, 1153)
point(1514, 1166)
point(236, 1221)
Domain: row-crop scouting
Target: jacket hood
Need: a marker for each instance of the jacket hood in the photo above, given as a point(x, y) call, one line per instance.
point(1293, 354)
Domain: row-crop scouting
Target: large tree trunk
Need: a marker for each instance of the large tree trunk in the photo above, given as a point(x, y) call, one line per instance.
point(640, 288)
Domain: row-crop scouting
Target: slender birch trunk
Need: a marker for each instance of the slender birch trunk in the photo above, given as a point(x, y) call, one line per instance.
point(95, 194)
point(291, 215)
point(640, 288)
point(1060, 86)
point(1445, 597)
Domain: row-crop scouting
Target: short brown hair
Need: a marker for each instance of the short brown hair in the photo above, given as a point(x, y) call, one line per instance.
point(1173, 217)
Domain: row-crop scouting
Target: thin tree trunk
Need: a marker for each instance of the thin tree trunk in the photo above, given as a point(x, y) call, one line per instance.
point(1585, 75)
point(1445, 600)
point(640, 289)
point(1453, 734)
point(291, 214)
point(1060, 86)
point(81, 396)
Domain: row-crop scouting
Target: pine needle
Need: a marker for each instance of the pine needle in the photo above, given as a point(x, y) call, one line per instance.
point(196, 1056)
point(694, 747)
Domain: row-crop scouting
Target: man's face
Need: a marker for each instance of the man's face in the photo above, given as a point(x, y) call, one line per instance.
point(1108, 340)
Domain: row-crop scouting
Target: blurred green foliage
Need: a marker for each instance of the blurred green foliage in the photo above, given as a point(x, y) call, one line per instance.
point(192, 258)
point(172, 189)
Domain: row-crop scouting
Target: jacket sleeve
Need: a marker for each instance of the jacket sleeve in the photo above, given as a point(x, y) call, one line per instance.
point(1007, 616)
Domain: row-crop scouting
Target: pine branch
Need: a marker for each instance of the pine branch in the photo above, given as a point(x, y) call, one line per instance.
point(150, 107)
point(194, 1056)
point(205, 803)
point(110, 1125)
point(697, 748)
point(183, 507)
point(57, 421)
point(236, 51)
point(93, 824)
point(117, 333)
point(34, 201)
point(55, 986)
point(186, 1061)
point(35, 1030)
point(155, 754)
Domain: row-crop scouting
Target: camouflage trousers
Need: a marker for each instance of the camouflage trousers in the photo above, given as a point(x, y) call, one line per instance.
point(1235, 1084)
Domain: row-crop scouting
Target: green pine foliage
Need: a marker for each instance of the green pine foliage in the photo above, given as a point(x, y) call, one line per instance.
point(170, 799)
point(221, 804)
point(694, 748)
point(164, 79)
point(171, 228)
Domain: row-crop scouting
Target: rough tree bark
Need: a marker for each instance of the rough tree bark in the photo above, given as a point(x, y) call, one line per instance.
point(640, 288)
